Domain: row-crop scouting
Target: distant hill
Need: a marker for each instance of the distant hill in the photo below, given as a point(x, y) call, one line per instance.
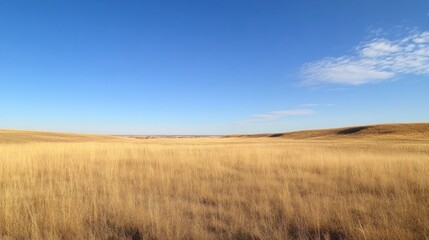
point(391, 131)
point(20, 136)
point(404, 131)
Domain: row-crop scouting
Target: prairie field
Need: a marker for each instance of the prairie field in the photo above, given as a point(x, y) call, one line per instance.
point(213, 188)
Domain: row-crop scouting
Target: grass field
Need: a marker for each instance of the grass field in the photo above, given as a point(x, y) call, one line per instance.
point(101, 187)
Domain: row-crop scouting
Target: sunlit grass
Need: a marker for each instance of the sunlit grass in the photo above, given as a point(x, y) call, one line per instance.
point(215, 189)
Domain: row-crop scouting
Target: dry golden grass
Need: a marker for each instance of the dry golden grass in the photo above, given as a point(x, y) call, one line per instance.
point(398, 131)
point(20, 136)
point(217, 188)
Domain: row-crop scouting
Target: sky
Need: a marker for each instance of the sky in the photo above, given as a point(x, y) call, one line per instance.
point(211, 67)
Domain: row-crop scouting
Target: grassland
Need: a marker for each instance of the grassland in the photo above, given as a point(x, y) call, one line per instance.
point(100, 187)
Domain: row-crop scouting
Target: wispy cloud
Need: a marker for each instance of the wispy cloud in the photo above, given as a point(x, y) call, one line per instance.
point(310, 105)
point(270, 116)
point(375, 60)
point(314, 105)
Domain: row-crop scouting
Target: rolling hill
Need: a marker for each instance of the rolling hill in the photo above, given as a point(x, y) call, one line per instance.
point(21, 136)
point(384, 131)
point(400, 131)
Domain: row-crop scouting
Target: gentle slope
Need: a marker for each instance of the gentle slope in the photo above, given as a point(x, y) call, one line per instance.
point(20, 136)
point(413, 131)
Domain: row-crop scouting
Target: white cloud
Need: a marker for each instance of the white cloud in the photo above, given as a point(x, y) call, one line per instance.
point(310, 105)
point(376, 60)
point(278, 114)
point(378, 48)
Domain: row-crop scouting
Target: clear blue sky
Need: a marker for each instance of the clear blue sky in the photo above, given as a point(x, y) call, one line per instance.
point(211, 67)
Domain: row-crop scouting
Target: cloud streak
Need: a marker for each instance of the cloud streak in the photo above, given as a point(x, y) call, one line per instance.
point(274, 115)
point(376, 60)
point(310, 105)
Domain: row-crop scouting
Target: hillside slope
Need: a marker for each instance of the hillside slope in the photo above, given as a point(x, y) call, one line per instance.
point(20, 136)
point(383, 131)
